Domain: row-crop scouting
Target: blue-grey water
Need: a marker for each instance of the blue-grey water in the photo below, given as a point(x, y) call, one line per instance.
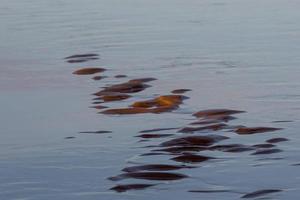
point(235, 54)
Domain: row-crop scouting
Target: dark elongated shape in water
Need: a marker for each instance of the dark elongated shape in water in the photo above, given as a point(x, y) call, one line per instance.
point(156, 130)
point(194, 141)
point(164, 103)
point(154, 167)
point(214, 112)
point(180, 91)
point(260, 193)
point(267, 145)
point(266, 151)
point(254, 130)
point(126, 187)
point(159, 176)
point(82, 55)
point(154, 135)
point(127, 87)
point(88, 71)
point(277, 140)
point(191, 158)
point(214, 127)
point(232, 148)
point(96, 132)
point(182, 149)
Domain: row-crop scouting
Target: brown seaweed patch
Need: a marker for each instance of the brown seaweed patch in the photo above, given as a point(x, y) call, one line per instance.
point(160, 104)
point(157, 129)
point(214, 127)
point(154, 135)
point(266, 151)
point(126, 187)
point(254, 130)
point(260, 193)
point(159, 176)
point(277, 140)
point(180, 91)
point(88, 71)
point(194, 141)
point(191, 158)
point(211, 113)
point(154, 167)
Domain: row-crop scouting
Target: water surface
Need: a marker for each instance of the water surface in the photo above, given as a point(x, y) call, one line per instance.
point(241, 55)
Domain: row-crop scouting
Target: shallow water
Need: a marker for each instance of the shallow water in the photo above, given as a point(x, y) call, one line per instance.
point(241, 55)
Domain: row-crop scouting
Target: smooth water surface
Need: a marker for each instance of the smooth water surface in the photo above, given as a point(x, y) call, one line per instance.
point(232, 54)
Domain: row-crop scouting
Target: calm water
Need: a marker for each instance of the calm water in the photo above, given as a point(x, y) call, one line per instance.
point(232, 54)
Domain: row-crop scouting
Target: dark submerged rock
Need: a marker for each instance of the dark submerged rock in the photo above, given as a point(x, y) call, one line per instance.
point(159, 176)
point(260, 193)
point(126, 187)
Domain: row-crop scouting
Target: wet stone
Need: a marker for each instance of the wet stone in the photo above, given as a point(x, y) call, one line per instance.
point(88, 71)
